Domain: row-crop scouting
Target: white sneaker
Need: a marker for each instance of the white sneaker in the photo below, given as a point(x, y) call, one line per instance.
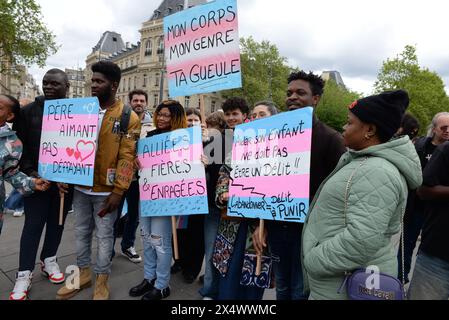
point(132, 255)
point(207, 298)
point(50, 269)
point(22, 286)
point(18, 213)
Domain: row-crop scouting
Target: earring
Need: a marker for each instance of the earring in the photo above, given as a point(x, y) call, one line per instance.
point(367, 136)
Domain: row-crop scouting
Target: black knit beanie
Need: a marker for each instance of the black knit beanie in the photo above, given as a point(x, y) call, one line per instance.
point(384, 110)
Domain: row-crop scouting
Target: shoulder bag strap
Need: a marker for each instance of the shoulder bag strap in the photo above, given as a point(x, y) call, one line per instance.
point(348, 185)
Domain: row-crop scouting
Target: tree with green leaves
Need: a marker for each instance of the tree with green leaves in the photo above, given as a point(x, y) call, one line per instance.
point(264, 73)
point(333, 106)
point(24, 38)
point(425, 87)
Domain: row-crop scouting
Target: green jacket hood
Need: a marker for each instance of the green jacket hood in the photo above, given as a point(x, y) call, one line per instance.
point(402, 153)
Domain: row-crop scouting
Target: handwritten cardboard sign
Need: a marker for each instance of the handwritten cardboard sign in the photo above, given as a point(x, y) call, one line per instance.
point(271, 168)
point(172, 180)
point(69, 141)
point(202, 49)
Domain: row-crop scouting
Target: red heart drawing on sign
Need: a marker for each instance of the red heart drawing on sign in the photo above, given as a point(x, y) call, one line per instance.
point(77, 155)
point(90, 149)
point(70, 151)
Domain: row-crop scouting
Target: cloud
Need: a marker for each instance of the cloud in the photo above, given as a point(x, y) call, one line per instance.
point(351, 36)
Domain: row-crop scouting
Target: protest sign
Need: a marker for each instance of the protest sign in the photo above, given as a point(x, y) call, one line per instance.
point(69, 141)
point(172, 177)
point(202, 49)
point(271, 168)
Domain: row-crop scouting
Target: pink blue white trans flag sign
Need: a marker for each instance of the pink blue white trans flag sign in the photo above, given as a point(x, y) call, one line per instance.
point(69, 141)
point(202, 49)
point(172, 177)
point(271, 168)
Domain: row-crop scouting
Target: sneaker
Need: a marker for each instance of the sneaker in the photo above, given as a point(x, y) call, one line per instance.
point(207, 298)
point(50, 269)
point(132, 255)
point(18, 213)
point(22, 286)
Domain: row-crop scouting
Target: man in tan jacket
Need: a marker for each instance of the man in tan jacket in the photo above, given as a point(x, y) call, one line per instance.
point(113, 173)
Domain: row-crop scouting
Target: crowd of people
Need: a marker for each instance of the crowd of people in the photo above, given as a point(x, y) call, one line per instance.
point(366, 186)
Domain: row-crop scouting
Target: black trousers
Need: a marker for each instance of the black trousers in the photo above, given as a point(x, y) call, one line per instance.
point(131, 221)
point(191, 246)
point(42, 209)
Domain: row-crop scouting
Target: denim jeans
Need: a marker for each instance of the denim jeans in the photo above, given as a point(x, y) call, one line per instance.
point(85, 209)
point(157, 249)
point(229, 287)
point(430, 279)
point(284, 240)
point(412, 229)
point(211, 274)
point(14, 201)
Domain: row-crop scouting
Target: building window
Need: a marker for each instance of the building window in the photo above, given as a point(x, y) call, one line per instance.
point(132, 62)
point(135, 83)
point(156, 100)
point(129, 84)
point(160, 46)
point(145, 79)
point(187, 102)
point(126, 64)
point(149, 48)
point(212, 106)
point(124, 85)
point(158, 79)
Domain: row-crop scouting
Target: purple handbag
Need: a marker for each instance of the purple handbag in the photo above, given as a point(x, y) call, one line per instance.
point(357, 281)
point(390, 288)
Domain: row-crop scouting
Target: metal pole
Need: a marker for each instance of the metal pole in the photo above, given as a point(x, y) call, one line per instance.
point(161, 86)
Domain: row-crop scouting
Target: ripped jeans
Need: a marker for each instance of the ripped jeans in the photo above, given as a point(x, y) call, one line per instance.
point(157, 245)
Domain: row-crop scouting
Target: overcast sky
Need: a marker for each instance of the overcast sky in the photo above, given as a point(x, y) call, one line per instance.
point(351, 36)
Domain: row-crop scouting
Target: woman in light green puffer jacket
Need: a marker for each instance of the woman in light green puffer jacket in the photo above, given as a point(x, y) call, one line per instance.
point(336, 240)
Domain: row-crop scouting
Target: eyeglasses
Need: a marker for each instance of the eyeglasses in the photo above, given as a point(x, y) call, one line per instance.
point(444, 128)
point(164, 115)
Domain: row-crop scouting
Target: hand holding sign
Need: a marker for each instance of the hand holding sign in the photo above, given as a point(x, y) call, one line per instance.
point(41, 184)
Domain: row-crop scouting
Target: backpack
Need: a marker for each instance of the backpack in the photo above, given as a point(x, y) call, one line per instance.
point(124, 119)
